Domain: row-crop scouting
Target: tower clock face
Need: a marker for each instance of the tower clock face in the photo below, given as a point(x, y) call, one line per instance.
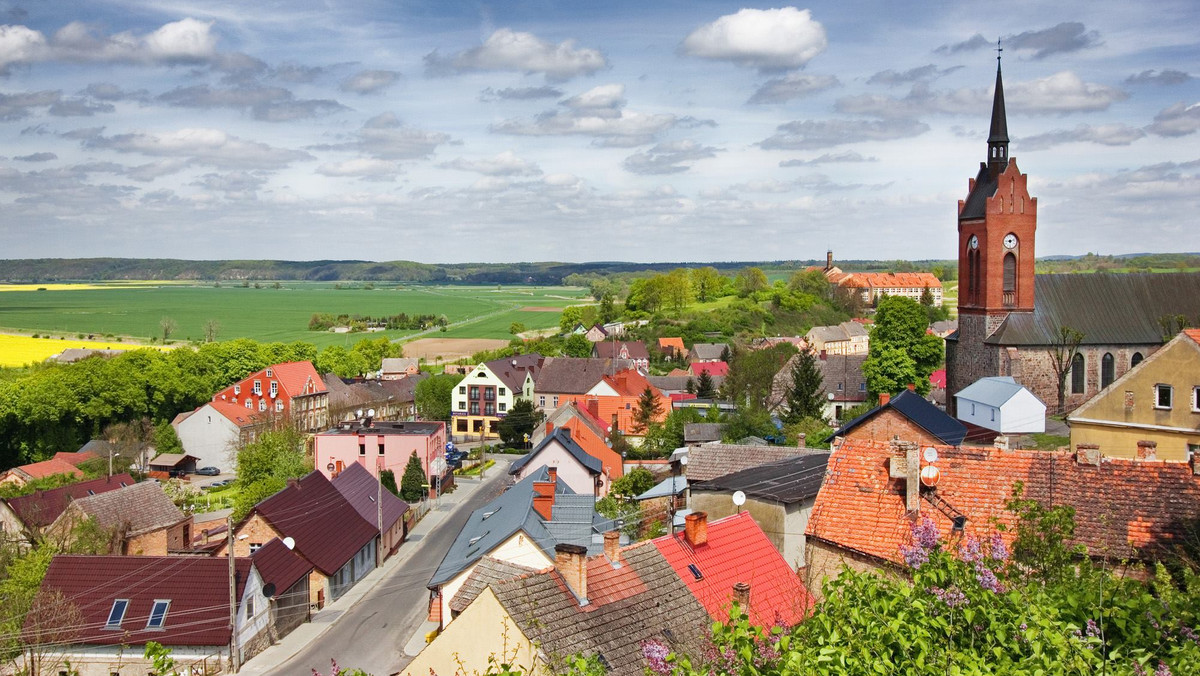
point(1010, 241)
point(974, 242)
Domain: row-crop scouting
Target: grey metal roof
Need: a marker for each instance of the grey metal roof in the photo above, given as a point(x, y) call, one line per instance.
point(993, 391)
point(672, 485)
point(976, 204)
point(787, 481)
point(512, 511)
point(705, 351)
point(921, 412)
point(1120, 309)
point(702, 431)
point(562, 435)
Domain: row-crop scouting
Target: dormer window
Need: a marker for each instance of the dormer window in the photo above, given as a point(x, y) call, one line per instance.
point(117, 614)
point(270, 373)
point(237, 389)
point(158, 614)
point(258, 387)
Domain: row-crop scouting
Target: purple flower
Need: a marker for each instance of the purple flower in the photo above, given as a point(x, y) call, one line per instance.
point(971, 551)
point(997, 549)
point(1189, 633)
point(656, 653)
point(914, 557)
point(987, 579)
point(952, 597)
point(1093, 630)
point(1138, 670)
point(925, 539)
point(1162, 670)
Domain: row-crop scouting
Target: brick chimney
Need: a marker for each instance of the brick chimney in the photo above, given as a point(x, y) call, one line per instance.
point(1087, 454)
point(801, 440)
point(543, 499)
point(1147, 450)
point(884, 399)
point(549, 428)
point(571, 562)
point(553, 473)
point(741, 596)
point(293, 483)
point(612, 545)
point(593, 407)
point(695, 528)
point(905, 464)
point(829, 259)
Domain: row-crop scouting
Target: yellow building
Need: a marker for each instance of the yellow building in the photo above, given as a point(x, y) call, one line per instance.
point(1153, 411)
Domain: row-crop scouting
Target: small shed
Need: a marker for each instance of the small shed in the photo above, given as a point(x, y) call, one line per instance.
point(175, 464)
point(1000, 404)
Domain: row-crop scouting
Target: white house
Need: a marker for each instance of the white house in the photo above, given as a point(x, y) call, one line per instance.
point(489, 391)
point(213, 432)
point(998, 403)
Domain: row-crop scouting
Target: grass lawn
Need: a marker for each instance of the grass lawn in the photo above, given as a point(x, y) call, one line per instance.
point(1050, 442)
point(268, 314)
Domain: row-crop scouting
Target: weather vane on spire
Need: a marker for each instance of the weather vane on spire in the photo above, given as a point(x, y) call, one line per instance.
point(998, 49)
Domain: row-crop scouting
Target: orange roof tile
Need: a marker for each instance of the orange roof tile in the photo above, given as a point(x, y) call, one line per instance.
point(238, 415)
point(738, 551)
point(903, 280)
point(676, 343)
point(1118, 504)
point(595, 447)
point(45, 468)
point(1194, 334)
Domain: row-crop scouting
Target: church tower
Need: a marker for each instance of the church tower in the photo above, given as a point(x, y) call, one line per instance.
point(996, 227)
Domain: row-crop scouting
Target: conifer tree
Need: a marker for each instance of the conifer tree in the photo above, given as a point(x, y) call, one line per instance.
point(412, 484)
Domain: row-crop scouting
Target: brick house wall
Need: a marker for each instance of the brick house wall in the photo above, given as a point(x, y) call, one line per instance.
point(825, 562)
point(889, 424)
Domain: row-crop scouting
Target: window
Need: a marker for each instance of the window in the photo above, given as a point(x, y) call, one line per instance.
point(270, 373)
point(462, 405)
point(1078, 374)
point(1010, 272)
point(503, 407)
point(255, 546)
point(278, 405)
point(862, 387)
point(1163, 395)
point(249, 608)
point(262, 404)
point(237, 389)
point(274, 388)
point(541, 402)
point(1192, 449)
point(489, 394)
point(489, 409)
point(556, 402)
point(362, 448)
point(158, 614)
point(249, 404)
point(474, 392)
point(474, 408)
point(503, 391)
point(1195, 399)
point(258, 387)
point(839, 387)
point(1107, 370)
point(117, 614)
point(1136, 359)
point(462, 390)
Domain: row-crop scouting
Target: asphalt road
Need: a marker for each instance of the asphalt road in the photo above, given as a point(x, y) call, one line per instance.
point(371, 634)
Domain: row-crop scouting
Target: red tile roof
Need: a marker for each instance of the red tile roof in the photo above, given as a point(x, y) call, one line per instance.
point(40, 509)
point(279, 565)
point(892, 280)
point(74, 458)
point(938, 378)
point(1118, 503)
point(738, 551)
point(327, 529)
point(197, 587)
point(595, 447)
point(671, 345)
point(713, 368)
point(1194, 334)
point(237, 414)
point(45, 468)
point(298, 377)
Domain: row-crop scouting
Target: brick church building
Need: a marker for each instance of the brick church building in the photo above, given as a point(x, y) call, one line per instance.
point(1009, 319)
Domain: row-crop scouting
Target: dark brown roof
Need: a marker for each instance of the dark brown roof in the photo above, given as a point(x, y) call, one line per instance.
point(360, 488)
point(976, 203)
point(142, 507)
point(511, 371)
point(487, 571)
point(1109, 309)
point(196, 586)
point(40, 509)
point(350, 393)
point(609, 349)
point(709, 461)
point(643, 599)
point(279, 565)
point(327, 529)
point(844, 370)
point(702, 432)
point(571, 375)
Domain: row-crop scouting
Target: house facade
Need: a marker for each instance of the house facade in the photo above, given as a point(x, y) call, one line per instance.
point(634, 351)
point(614, 400)
point(272, 389)
point(1152, 410)
point(583, 472)
point(214, 431)
point(907, 416)
point(377, 445)
point(844, 338)
point(1001, 405)
point(24, 519)
point(488, 393)
point(140, 517)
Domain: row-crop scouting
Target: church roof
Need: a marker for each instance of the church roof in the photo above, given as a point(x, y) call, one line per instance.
point(999, 131)
point(1109, 309)
point(976, 204)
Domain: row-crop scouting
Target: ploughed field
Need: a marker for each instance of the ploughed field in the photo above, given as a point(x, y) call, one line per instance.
point(106, 310)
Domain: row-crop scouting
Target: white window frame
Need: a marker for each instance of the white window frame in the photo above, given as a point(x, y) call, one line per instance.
point(258, 388)
point(274, 388)
point(1196, 399)
point(162, 619)
point(237, 389)
point(1158, 390)
point(279, 406)
point(262, 405)
point(249, 404)
point(111, 624)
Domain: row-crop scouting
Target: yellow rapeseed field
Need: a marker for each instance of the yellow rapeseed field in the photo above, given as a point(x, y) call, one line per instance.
point(84, 287)
point(21, 350)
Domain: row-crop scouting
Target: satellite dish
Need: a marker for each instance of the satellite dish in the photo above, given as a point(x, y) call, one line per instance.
point(930, 476)
point(931, 454)
point(289, 542)
point(358, 413)
point(269, 589)
point(739, 498)
point(370, 413)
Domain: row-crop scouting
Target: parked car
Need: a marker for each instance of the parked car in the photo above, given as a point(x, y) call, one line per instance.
point(221, 483)
point(208, 471)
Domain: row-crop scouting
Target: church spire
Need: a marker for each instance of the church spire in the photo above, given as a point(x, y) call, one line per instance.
point(998, 138)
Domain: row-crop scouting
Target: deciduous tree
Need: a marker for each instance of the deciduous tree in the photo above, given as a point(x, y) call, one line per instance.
point(1062, 354)
point(433, 396)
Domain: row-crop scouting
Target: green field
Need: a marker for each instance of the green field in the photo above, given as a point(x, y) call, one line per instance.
point(269, 314)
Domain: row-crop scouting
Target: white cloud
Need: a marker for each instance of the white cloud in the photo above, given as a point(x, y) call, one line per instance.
point(1068, 36)
point(505, 164)
point(599, 113)
point(362, 167)
point(509, 50)
point(767, 39)
point(19, 44)
point(603, 96)
point(668, 158)
point(810, 134)
point(829, 158)
point(184, 39)
point(1179, 119)
point(791, 86)
point(370, 81)
point(205, 146)
point(1063, 92)
point(1103, 134)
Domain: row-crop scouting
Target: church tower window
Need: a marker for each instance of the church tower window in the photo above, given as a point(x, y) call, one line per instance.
point(1136, 359)
point(1078, 374)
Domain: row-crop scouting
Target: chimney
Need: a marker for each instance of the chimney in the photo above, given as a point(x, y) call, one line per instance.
point(741, 596)
point(593, 407)
point(695, 528)
point(543, 499)
point(612, 545)
point(829, 259)
point(884, 399)
point(1087, 454)
point(293, 483)
point(801, 440)
point(553, 472)
point(571, 562)
point(549, 428)
point(1001, 442)
point(1147, 450)
point(907, 467)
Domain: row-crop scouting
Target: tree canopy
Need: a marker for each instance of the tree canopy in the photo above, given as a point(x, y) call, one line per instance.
point(433, 396)
point(901, 351)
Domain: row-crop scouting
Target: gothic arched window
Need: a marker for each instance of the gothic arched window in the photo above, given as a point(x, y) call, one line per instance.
point(1107, 370)
point(1010, 272)
point(1078, 375)
point(1137, 359)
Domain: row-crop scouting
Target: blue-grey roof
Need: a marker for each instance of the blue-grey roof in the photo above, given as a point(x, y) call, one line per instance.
point(993, 391)
point(665, 488)
point(789, 480)
point(922, 413)
point(574, 521)
point(563, 436)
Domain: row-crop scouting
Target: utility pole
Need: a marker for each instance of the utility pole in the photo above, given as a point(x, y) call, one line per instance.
point(234, 657)
point(379, 514)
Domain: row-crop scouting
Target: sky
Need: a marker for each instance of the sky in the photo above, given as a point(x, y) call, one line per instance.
point(653, 131)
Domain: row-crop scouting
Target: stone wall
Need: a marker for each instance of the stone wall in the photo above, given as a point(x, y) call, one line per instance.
point(826, 562)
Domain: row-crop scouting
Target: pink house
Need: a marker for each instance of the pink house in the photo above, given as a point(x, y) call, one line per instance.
point(380, 444)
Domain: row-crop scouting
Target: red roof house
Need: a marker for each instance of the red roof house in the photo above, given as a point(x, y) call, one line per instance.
point(712, 368)
point(35, 511)
point(273, 388)
point(714, 558)
point(40, 470)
